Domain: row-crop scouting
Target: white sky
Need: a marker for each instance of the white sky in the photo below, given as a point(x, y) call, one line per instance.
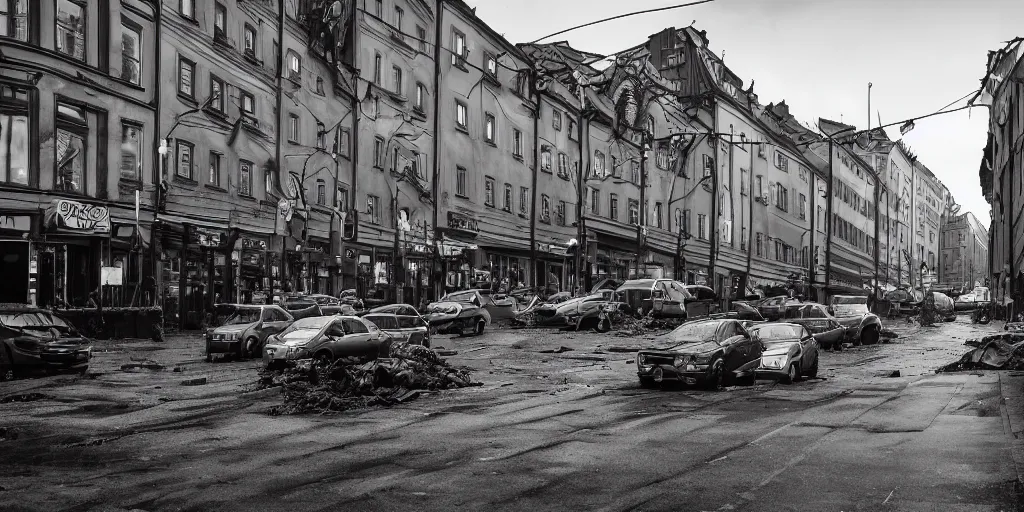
point(819, 56)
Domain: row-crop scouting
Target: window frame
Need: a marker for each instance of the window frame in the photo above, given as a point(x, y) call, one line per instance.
point(488, 59)
point(243, 166)
point(524, 200)
point(294, 128)
point(458, 49)
point(191, 15)
point(462, 108)
point(545, 209)
point(178, 144)
point(139, 167)
point(292, 57)
point(489, 192)
point(14, 107)
point(321, 135)
point(613, 206)
point(13, 16)
point(421, 93)
point(508, 198)
point(213, 175)
point(85, 30)
point(378, 68)
point(546, 160)
point(218, 9)
point(321, 192)
point(242, 96)
point(517, 143)
point(461, 182)
point(489, 128)
point(374, 212)
point(397, 79)
point(378, 152)
point(556, 120)
point(191, 64)
point(399, 18)
point(129, 25)
point(219, 104)
point(247, 49)
point(421, 35)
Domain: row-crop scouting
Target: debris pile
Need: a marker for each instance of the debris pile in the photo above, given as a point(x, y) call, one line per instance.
point(997, 353)
point(353, 382)
point(632, 327)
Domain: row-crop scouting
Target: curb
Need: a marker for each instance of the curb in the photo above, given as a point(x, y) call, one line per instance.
point(1011, 406)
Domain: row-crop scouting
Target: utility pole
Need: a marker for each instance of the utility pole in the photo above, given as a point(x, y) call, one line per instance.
point(640, 207)
point(874, 260)
point(731, 212)
point(828, 218)
point(581, 246)
point(436, 174)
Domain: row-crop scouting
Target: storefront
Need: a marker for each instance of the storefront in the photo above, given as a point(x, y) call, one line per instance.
point(419, 260)
point(555, 267)
point(16, 228)
point(254, 281)
point(69, 254)
point(205, 276)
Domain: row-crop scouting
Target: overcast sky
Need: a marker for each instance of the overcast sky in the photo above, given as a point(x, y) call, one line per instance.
point(819, 56)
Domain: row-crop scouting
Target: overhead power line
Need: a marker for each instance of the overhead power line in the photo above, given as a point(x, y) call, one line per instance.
point(620, 16)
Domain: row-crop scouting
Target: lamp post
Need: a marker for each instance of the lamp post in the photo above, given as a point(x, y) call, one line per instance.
point(645, 139)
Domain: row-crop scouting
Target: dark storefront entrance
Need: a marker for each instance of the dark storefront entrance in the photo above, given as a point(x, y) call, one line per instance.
point(14, 266)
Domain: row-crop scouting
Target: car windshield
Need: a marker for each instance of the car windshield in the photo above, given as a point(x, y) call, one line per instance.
point(385, 322)
point(243, 316)
point(410, 322)
point(23, 319)
point(777, 332)
point(850, 304)
point(696, 332)
point(842, 301)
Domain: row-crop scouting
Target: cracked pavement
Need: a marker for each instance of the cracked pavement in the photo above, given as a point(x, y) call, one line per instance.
point(546, 431)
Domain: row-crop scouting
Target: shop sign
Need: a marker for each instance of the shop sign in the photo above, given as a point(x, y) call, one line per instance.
point(551, 248)
point(248, 243)
point(462, 222)
point(421, 249)
point(320, 247)
point(204, 237)
point(350, 254)
point(16, 222)
point(79, 217)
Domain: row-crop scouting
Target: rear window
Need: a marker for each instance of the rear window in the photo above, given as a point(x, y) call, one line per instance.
point(850, 300)
point(383, 321)
point(410, 322)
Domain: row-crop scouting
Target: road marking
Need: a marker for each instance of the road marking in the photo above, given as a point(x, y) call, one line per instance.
point(890, 496)
point(770, 434)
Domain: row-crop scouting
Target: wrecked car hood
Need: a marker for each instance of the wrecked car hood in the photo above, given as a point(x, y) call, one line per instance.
point(692, 348)
point(778, 348)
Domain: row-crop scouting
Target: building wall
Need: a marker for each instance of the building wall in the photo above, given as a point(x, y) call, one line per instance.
point(964, 252)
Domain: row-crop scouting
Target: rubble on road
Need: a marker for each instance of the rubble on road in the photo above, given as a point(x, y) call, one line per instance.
point(353, 383)
point(558, 350)
point(999, 352)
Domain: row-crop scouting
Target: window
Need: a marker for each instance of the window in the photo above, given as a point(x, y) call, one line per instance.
point(702, 226)
point(683, 221)
point(268, 182)
point(421, 34)
point(320, 85)
point(563, 165)
point(213, 178)
point(183, 165)
point(131, 151)
point(380, 10)
point(490, 64)
point(545, 209)
point(377, 68)
point(378, 152)
point(71, 25)
point(661, 155)
point(657, 215)
point(399, 17)
point(373, 209)
point(634, 169)
point(782, 197)
point(595, 201)
point(341, 199)
point(517, 143)
point(187, 8)
point(760, 245)
point(131, 54)
point(781, 161)
point(489, 191)
point(420, 94)
point(524, 200)
point(460, 181)
point(599, 168)
point(743, 238)
point(759, 186)
point(217, 93)
point(634, 212)
point(14, 135)
point(572, 129)
point(248, 103)
point(14, 19)
point(803, 206)
point(561, 213)
point(613, 206)
point(709, 165)
point(458, 48)
point(293, 128)
point(744, 181)
point(508, 198)
point(556, 120)
point(245, 179)
point(249, 38)
point(220, 21)
point(321, 135)
point(396, 79)
point(460, 115)
point(294, 66)
point(186, 71)
point(614, 167)
point(489, 128)
point(545, 159)
point(321, 192)
point(803, 173)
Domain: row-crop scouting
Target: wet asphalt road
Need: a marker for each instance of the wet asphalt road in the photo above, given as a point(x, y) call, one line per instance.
point(547, 431)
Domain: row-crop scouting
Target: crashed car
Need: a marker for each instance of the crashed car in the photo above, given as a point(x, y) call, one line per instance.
point(411, 329)
point(709, 352)
point(497, 308)
point(244, 329)
point(825, 328)
point(326, 338)
point(790, 352)
point(662, 298)
point(301, 307)
point(774, 308)
point(576, 313)
point(862, 326)
point(35, 338)
point(456, 318)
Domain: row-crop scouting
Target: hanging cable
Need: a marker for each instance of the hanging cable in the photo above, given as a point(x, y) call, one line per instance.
point(620, 16)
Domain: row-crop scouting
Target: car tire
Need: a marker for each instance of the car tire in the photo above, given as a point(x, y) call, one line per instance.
point(603, 325)
point(648, 383)
point(792, 375)
point(479, 328)
point(984, 319)
point(254, 343)
point(812, 372)
point(837, 345)
point(869, 336)
point(209, 357)
point(323, 357)
point(716, 376)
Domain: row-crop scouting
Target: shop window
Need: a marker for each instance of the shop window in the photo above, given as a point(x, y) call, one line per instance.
point(321, 192)
point(215, 162)
point(70, 28)
point(245, 179)
point(183, 159)
point(14, 135)
point(131, 52)
point(14, 19)
point(72, 134)
point(131, 151)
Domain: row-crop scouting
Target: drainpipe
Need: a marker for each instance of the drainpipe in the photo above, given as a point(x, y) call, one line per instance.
point(354, 106)
point(437, 141)
point(154, 232)
point(750, 212)
point(712, 215)
point(875, 259)
point(533, 179)
point(828, 221)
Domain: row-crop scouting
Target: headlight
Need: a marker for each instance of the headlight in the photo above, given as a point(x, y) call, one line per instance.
point(681, 361)
point(702, 359)
point(295, 353)
point(776, 362)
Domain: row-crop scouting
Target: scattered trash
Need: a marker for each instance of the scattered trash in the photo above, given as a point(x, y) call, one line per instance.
point(624, 349)
point(8, 433)
point(194, 382)
point(890, 374)
point(558, 350)
point(26, 397)
point(888, 333)
point(351, 382)
point(991, 354)
point(147, 365)
point(447, 352)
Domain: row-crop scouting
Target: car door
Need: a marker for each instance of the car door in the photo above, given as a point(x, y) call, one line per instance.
point(809, 348)
point(829, 329)
point(738, 349)
point(275, 321)
point(659, 294)
point(675, 300)
point(357, 340)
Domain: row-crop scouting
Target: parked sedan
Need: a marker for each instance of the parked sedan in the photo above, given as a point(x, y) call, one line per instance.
point(34, 338)
point(702, 351)
point(825, 328)
point(862, 326)
point(326, 338)
point(774, 308)
point(497, 309)
point(456, 317)
point(396, 309)
point(245, 329)
point(790, 352)
point(410, 329)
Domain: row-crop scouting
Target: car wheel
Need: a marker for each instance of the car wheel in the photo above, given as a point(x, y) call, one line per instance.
point(6, 372)
point(869, 336)
point(812, 372)
point(323, 357)
point(209, 357)
point(480, 325)
point(837, 345)
point(603, 325)
point(648, 383)
point(984, 319)
point(251, 347)
point(716, 376)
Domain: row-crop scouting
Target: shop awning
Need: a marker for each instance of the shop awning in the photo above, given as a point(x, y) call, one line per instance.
point(178, 219)
point(452, 247)
point(125, 232)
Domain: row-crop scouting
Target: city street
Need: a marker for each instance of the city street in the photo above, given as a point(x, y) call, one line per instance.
point(546, 431)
